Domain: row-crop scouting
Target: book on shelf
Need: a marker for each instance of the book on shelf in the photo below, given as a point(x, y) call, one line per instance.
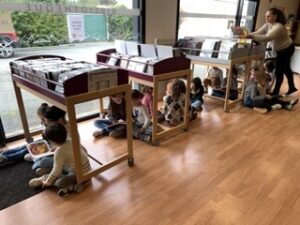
point(38, 149)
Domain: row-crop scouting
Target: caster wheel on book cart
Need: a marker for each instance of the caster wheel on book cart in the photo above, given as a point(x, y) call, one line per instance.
point(130, 162)
point(64, 192)
point(78, 188)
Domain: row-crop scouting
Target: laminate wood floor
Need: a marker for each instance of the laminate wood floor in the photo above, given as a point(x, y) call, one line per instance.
point(237, 168)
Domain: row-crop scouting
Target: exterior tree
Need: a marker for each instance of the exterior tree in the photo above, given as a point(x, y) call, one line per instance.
point(40, 29)
point(120, 27)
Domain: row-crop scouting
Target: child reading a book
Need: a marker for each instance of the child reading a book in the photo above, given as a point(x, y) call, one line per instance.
point(196, 95)
point(50, 114)
point(20, 153)
point(114, 125)
point(214, 78)
point(56, 134)
point(142, 128)
point(233, 92)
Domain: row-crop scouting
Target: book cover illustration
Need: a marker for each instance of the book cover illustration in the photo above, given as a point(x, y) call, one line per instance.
point(239, 31)
point(39, 149)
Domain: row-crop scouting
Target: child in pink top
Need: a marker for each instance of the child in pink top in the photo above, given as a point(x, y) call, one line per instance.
point(148, 98)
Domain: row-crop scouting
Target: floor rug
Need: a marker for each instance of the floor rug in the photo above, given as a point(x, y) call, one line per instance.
point(14, 180)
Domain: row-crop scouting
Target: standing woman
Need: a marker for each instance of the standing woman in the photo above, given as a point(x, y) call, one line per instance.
point(274, 31)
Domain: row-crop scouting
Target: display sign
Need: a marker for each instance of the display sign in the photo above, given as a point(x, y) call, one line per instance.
point(76, 27)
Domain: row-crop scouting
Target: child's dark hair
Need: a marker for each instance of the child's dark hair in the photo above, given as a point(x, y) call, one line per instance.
point(136, 94)
point(145, 88)
point(181, 86)
point(270, 65)
point(56, 133)
point(197, 83)
point(255, 68)
point(118, 111)
point(53, 114)
point(42, 109)
point(234, 70)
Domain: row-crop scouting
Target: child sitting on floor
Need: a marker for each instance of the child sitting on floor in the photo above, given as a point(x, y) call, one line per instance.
point(114, 123)
point(173, 105)
point(261, 102)
point(196, 95)
point(46, 114)
point(51, 114)
point(269, 68)
point(233, 93)
point(142, 128)
point(56, 134)
point(148, 98)
point(214, 78)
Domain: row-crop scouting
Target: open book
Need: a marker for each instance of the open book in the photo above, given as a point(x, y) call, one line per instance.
point(117, 124)
point(39, 149)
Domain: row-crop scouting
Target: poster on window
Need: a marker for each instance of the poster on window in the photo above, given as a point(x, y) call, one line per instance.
point(76, 27)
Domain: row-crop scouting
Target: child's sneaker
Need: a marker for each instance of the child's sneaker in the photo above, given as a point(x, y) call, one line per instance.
point(28, 157)
point(2, 159)
point(276, 107)
point(98, 133)
point(260, 110)
point(116, 133)
point(148, 139)
point(36, 182)
point(294, 102)
point(42, 171)
point(288, 107)
point(194, 116)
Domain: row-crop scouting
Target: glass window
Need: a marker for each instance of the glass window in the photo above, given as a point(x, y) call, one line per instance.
point(210, 18)
point(249, 9)
point(220, 7)
point(75, 29)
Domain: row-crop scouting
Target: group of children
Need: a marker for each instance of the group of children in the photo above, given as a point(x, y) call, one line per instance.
point(57, 170)
point(258, 91)
point(172, 110)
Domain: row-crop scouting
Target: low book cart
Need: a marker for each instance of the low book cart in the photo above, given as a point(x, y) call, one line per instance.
point(226, 60)
point(153, 72)
point(76, 89)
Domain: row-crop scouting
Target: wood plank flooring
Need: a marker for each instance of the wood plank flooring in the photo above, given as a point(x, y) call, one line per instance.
point(237, 168)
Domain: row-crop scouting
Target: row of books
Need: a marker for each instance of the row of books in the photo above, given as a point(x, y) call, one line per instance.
point(138, 57)
point(44, 70)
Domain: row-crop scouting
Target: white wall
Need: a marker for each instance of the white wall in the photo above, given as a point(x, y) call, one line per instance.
point(160, 19)
point(290, 7)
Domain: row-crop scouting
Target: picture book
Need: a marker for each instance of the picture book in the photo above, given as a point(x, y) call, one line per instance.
point(239, 31)
point(39, 149)
point(118, 124)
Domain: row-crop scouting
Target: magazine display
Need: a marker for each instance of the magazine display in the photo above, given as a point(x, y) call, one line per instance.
point(39, 149)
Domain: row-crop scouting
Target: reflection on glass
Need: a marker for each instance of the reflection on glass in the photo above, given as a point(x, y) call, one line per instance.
point(32, 29)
